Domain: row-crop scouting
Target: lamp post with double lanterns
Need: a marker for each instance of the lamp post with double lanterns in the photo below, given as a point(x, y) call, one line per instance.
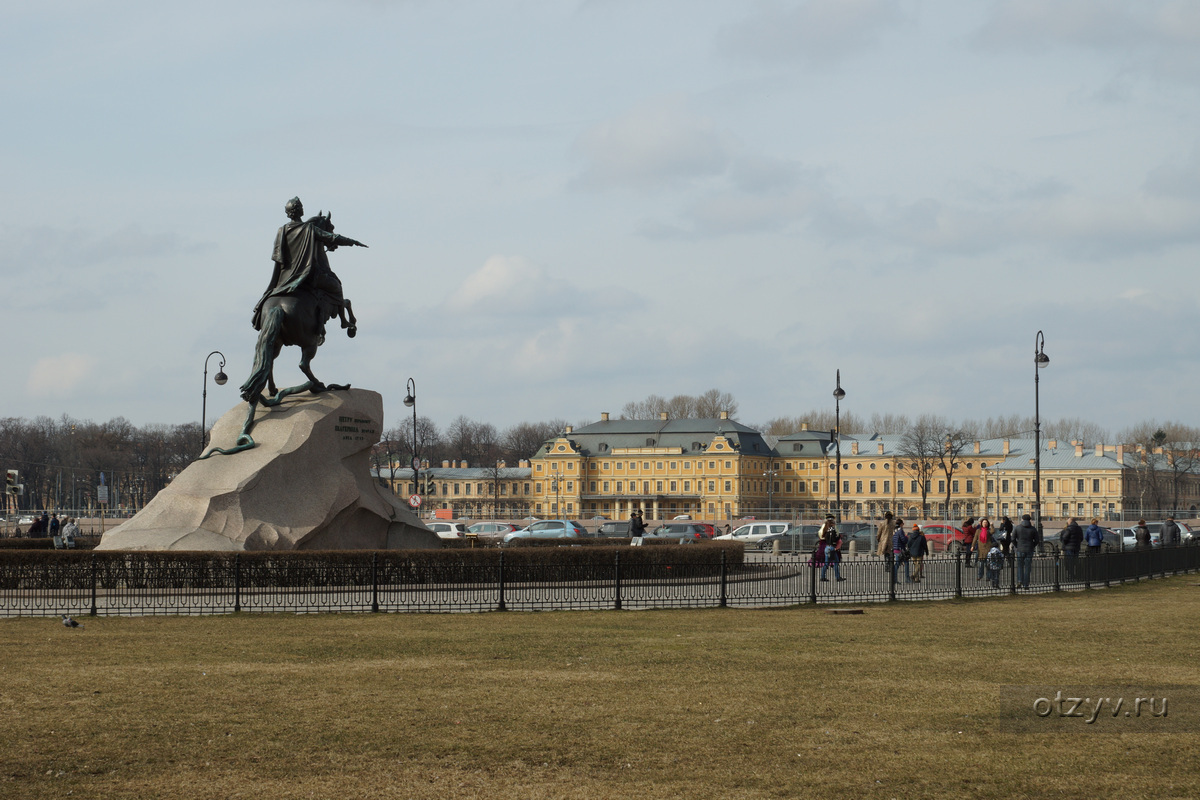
point(219, 379)
point(770, 476)
point(410, 401)
point(838, 394)
point(1040, 359)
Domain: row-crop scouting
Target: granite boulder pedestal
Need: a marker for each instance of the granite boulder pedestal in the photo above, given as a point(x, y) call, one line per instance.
point(306, 486)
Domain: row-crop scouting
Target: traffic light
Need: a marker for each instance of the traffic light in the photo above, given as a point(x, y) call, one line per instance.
point(10, 481)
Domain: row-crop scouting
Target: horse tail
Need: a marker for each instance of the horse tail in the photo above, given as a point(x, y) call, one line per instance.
point(264, 354)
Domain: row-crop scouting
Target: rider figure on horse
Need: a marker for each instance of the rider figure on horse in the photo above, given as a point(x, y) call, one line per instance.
point(301, 263)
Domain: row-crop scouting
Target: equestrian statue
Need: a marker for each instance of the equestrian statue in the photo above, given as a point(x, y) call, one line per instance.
point(304, 294)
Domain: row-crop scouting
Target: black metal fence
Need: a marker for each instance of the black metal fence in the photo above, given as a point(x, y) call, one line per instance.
point(156, 583)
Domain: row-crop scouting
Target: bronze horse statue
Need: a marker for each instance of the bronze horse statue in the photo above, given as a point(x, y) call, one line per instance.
point(303, 295)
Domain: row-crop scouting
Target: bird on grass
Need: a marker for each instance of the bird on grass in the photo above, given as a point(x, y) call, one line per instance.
point(70, 623)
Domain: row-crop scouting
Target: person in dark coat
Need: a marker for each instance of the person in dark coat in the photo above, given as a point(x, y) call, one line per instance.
point(1025, 540)
point(1141, 535)
point(918, 548)
point(1170, 533)
point(900, 552)
point(1095, 537)
point(1004, 533)
point(1071, 539)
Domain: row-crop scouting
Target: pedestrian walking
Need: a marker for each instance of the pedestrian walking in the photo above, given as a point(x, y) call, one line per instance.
point(1071, 539)
point(1004, 534)
point(883, 534)
point(983, 543)
point(833, 549)
point(918, 548)
point(995, 562)
point(900, 553)
point(1025, 541)
point(968, 530)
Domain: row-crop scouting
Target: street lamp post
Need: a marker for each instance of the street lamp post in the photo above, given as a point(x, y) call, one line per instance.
point(838, 394)
point(219, 379)
point(410, 401)
point(770, 476)
point(1040, 359)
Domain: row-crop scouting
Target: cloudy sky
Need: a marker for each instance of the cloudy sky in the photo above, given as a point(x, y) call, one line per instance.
point(571, 205)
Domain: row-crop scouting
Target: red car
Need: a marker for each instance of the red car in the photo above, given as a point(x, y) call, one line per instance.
point(944, 537)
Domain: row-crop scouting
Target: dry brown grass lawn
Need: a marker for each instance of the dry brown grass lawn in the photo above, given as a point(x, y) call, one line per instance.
point(908, 700)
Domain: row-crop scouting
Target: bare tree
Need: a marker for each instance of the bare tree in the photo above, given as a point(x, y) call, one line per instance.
point(524, 439)
point(920, 451)
point(708, 405)
point(953, 445)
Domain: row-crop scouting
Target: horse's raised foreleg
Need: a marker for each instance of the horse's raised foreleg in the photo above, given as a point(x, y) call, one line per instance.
point(351, 325)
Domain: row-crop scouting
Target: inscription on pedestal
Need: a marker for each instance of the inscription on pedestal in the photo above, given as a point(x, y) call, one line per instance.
point(354, 429)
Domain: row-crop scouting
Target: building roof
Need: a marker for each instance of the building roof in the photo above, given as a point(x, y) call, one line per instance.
point(691, 436)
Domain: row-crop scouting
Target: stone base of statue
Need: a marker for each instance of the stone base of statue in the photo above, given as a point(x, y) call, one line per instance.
point(306, 486)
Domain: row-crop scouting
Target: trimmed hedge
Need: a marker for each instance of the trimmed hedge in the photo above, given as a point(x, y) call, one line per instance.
point(48, 568)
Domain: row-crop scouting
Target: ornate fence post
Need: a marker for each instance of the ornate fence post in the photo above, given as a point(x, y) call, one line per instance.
point(891, 564)
point(617, 580)
point(724, 579)
point(1057, 566)
point(958, 563)
point(1011, 558)
point(375, 583)
point(92, 612)
point(812, 581)
point(237, 581)
point(501, 606)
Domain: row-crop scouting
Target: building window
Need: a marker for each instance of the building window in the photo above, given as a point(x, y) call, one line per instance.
point(712, 486)
point(970, 486)
point(687, 486)
point(620, 465)
point(1096, 485)
point(858, 487)
point(954, 487)
point(887, 487)
point(605, 485)
point(729, 486)
point(658, 486)
point(832, 487)
point(645, 487)
point(845, 487)
point(467, 488)
point(1079, 485)
point(646, 465)
point(592, 487)
point(787, 486)
point(674, 486)
point(618, 487)
point(1004, 485)
point(728, 465)
point(1020, 486)
point(872, 487)
point(941, 486)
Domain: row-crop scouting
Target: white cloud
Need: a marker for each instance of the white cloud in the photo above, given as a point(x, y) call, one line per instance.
point(58, 376)
point(816, 32)
point(658, 143)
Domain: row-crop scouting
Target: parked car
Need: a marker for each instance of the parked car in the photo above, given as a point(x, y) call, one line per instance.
point(681, 531)
point(1130, 541)
point(1051, 541)
point(492, 528)
point(549, 529)
point(753, 532)
point(944, 538)
point(619, 528)
point(447, 530)
point(803, 538)
point(796, 539)
point(709, 530)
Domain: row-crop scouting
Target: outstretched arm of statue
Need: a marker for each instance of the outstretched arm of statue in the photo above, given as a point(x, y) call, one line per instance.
point(333, 240)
